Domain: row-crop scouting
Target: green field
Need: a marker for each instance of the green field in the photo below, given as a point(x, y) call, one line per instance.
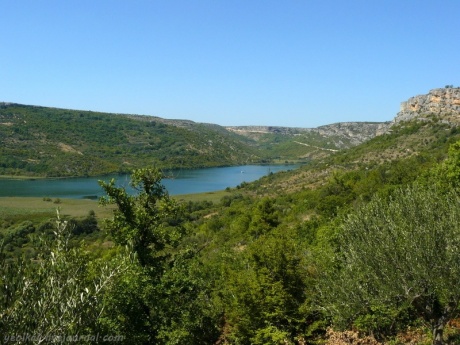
point(29, 207)
point(208, 196)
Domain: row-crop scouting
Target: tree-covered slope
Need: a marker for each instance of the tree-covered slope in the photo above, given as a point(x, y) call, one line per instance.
point(410, 146)
point(272, 242)
point(57, 142)
point(43, 141)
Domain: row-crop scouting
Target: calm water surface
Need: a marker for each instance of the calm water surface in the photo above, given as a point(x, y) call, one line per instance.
point(182, 182)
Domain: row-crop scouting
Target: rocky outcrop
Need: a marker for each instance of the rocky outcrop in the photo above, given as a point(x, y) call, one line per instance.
point(353, 133)
point(356, 132)
point(443, 103)
point(345, 128)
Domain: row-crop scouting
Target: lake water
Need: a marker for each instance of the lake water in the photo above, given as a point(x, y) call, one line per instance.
point(182, 182)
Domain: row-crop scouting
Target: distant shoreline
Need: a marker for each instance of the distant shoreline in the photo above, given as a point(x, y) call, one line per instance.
point(38, 177)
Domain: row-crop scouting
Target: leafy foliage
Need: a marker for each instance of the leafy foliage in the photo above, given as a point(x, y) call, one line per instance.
point(143, 221)
point(58, 295)
point(150, 223)
point(396, 253)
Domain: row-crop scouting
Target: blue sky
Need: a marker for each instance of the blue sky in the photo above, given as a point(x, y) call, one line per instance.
point(241, 62)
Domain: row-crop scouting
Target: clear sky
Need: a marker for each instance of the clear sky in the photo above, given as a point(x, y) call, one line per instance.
point(230, 62)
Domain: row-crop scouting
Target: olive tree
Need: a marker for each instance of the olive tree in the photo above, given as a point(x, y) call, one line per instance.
point(396, 252)
point(58, 295)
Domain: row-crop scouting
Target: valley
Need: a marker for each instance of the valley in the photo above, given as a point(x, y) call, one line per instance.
point(49, 142)
point(359, 245)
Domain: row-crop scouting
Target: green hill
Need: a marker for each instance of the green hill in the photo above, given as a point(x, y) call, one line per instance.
point(57, 142)
point(51, 142)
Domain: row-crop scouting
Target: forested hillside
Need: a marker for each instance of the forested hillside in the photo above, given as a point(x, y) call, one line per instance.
point(361, 247)
point(56, 142)
point(50, 142)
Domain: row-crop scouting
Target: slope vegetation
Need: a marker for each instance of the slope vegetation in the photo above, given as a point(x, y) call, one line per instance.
point(51, 142)
point(57, 142)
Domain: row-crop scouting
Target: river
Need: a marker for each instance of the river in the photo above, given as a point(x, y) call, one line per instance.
point(181, 182)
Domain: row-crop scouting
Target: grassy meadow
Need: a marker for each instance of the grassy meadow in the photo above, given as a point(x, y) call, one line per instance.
point(37, 208)
point(33, 207)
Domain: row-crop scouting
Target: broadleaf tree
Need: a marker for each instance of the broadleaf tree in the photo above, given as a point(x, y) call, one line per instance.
point(144, 220)
point(162, 299)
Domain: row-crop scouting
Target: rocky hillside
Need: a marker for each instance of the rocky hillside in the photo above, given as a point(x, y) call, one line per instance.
point(353, 133)
point(442, 103)
point(287, 143)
